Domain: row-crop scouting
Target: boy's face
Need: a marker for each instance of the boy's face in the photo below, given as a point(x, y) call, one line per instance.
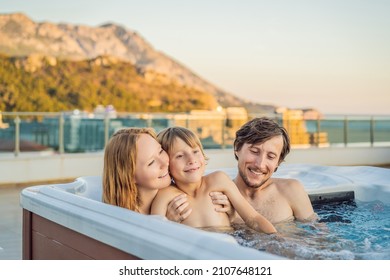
point(186, 164)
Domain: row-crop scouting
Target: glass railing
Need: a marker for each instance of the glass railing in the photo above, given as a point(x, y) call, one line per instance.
point(352, 130)
point(79, 132)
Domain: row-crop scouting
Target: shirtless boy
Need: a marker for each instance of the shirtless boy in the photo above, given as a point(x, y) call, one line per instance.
point(187, 165)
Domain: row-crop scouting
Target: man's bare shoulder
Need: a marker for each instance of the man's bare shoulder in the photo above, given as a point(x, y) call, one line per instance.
point(287, 181)
point(292, 189)
point(288, 185)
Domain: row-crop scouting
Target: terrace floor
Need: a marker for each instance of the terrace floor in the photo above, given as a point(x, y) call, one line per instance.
point(10, 223)
point(11, 220)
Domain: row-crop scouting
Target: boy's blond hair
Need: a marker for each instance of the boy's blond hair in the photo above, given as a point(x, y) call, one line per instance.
point(167, 138)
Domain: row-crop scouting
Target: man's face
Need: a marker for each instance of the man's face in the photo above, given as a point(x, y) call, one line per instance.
point(257, 162)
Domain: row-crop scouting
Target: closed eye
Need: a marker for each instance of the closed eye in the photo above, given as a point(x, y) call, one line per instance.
point(271, 156)
point(150, 163)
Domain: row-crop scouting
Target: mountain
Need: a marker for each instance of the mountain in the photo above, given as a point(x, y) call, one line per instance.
point(21, 36)
point(46, 83)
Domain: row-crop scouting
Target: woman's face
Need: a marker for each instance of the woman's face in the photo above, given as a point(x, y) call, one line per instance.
point(152, 162)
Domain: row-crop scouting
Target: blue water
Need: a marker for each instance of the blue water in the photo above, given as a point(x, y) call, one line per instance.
point(353, 131)
point(346, 231)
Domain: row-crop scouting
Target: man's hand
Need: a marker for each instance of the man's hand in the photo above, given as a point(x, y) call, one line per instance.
point(223, 204)
point(178, 209)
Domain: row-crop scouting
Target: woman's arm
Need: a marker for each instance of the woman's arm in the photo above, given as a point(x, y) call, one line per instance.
point(159, 205)
point(165, 202)
point(178, 209)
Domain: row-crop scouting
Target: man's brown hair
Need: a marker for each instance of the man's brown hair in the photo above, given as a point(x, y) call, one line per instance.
point(259, 130)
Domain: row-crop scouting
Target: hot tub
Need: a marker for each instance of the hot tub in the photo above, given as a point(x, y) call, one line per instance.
point(69, 221)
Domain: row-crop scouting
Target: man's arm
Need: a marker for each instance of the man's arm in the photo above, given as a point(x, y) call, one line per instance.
point(223, 204)
point(299, 201)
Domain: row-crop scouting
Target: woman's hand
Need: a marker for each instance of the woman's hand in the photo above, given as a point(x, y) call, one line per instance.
point(178, 209)
point(223, 204)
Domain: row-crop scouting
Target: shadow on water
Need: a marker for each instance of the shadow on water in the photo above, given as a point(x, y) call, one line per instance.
point(335, 212)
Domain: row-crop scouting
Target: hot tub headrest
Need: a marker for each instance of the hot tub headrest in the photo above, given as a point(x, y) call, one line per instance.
point(88, 186)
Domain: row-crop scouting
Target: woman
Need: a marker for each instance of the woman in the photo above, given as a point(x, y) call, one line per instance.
point(136, 168)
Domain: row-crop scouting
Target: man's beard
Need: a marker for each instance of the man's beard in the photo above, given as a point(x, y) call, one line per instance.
point(249, 184)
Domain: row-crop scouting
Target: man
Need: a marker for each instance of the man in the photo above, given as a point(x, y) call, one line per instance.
point(261, 145)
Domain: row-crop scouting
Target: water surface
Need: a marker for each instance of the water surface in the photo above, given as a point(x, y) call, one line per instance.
point(345, 231)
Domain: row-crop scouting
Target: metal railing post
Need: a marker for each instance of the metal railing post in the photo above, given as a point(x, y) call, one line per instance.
point(223, 145)
point(149, 120)
point(318, 131)
point(345, 131)
point(61, 122)
point(17, 136)
point(372, 123)
point(187, 120)
point(106, 129)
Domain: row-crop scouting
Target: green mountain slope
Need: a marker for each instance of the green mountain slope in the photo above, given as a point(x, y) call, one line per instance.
point(40, 83)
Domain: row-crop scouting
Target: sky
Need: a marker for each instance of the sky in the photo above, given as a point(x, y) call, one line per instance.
point(331, 55)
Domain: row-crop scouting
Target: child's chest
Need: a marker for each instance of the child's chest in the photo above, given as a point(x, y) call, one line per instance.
point(204, 214)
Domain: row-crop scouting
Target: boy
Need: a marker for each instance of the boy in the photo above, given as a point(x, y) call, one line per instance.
point(187, 163)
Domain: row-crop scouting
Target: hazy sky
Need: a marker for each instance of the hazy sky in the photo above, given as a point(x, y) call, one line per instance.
point(333, 55)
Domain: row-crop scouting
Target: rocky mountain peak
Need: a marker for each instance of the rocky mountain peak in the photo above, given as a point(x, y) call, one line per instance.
point(21, 36)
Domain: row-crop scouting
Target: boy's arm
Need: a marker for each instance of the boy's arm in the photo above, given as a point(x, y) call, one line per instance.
point(251, 217)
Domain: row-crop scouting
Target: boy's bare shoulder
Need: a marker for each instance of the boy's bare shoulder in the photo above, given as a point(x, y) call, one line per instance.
point(217, 175)
point(168, 192)
point(218, 181)
point(169, 189)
